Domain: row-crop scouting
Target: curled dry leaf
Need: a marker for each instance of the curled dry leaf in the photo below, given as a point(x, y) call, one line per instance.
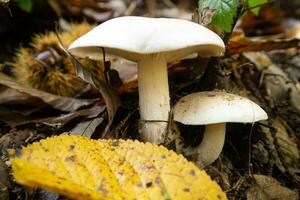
point(276, 81)
point(109, 95)
point(12, 100)
point(267, 188)
point(87, 128)
point(11, 96)
point(272, 152)
point(239, 43)
point(287, 147)
point(81, 168)
point(57, 102)
point(101, 82)
point(59, 121)
point(10, 116)
point(269, 21)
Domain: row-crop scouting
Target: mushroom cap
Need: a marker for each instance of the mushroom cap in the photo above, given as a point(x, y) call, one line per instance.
point(132, 37)
point(213, 107)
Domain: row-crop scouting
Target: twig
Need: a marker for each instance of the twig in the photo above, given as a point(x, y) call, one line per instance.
point(151, 6)
point(169, 3)
point(132, 6)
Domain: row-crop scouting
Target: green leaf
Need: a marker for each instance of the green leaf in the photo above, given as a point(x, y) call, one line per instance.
point(226, 10)
point(256, 5)
point(25, 5)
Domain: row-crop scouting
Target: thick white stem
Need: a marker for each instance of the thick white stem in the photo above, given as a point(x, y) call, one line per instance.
point(212, 143)
point(154, 97)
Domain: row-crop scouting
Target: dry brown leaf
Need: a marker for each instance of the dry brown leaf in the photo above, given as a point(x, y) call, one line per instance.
point(287, 147)
point(57, 102)
point(11, 96)
point(268, 23)
point(276, 81)
point(273, 152)
point(12, 117)
point(268, 188)
point(86, 128)
point(59, 121)
point(109, 95)
point(239, 43)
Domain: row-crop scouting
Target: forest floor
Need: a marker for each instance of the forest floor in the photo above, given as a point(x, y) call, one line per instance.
point(262, 63)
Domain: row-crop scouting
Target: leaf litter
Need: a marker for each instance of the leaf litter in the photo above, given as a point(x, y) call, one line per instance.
point(274, 145)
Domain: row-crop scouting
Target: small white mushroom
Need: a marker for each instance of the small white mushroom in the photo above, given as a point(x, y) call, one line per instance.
point(213, 109)
point(151, 42)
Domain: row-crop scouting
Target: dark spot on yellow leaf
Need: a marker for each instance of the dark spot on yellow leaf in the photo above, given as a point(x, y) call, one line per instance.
point(115, 143)
point(157, 180)
point(149, 184)
point(121, 173)
point(72, 147)
point(70, 158)
point(186, 189)
point(102, 189)
point(149, 167)
point(211, 95)
point(163, 156)
point(192, 172)
point(122, 162)
point(139, 185)
point(28, 158)
point(44, 148)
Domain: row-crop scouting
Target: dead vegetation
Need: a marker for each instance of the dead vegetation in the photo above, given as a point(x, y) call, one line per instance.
point(262, 63)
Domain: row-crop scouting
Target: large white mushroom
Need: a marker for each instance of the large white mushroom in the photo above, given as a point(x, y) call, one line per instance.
point(151, 42)
point(214, 109)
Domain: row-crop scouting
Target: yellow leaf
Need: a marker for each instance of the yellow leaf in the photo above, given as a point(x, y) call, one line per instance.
point(81, 168)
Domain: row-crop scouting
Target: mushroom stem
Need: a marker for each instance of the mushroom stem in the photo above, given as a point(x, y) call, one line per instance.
point(154, 97)
point(212, 143)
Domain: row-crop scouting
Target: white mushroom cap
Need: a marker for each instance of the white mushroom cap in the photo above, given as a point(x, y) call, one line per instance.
point(132, 37)
point(213, 107)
